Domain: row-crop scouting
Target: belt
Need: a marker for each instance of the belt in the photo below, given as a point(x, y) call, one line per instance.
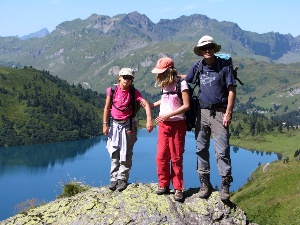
point(120, 121)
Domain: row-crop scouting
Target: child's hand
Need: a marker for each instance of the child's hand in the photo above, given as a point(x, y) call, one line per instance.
point(143, 104)
point(149, 126)
point(105, 129)
point(161, 118)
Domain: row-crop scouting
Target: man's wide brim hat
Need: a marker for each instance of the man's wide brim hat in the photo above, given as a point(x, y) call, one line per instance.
point(206, 40)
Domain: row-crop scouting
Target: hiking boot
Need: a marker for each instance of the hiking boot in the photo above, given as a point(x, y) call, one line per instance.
point(113, 184)
point(122, 185)
point(178, 196)
point(163, 190)
point(206, 188)
point(224, 192)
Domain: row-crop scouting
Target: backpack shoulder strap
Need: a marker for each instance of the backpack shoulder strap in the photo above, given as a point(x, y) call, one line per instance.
point(132, 98)
point(199, 71)
point(178, 88)
point(112, 93)
point(221, 63)
point(177, 91)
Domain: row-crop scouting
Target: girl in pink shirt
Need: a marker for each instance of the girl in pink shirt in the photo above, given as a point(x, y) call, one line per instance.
point(121, 127)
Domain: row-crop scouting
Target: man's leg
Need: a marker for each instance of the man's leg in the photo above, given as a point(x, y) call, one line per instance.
point(222, 153)
point(203, 132)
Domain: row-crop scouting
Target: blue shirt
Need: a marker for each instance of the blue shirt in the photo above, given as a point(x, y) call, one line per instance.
point(213, 83)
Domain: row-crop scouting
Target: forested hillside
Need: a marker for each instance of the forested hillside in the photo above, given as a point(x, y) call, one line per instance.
point(36, 107)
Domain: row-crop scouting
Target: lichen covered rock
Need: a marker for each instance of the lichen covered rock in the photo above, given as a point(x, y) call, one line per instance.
point(138, 204)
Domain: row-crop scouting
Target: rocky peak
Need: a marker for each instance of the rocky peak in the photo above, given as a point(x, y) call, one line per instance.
point(138, 204)
point(138, 26)
point(39, 34)
point(139, 20)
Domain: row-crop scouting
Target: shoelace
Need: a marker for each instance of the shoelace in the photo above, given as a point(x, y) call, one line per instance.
point(178, 192)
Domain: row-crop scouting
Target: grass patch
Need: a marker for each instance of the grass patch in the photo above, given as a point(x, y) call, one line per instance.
point(285, 143)
point(272, 193)
point(73, 188)
point(272, 196)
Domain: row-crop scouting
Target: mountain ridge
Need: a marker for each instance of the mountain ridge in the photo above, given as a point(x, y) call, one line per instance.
point(93, 50)
point(38, 34)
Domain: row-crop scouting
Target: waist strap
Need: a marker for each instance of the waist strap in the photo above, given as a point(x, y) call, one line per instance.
point(213, 106)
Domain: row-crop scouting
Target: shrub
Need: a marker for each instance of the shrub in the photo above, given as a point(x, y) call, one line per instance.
point(73, 188)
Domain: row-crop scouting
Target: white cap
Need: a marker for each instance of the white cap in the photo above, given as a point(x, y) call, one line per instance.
point(126, 71)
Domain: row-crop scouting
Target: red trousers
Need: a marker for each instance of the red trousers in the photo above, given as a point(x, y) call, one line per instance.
point(169, 157)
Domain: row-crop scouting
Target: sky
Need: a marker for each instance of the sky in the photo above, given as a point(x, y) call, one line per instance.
point(22, 17)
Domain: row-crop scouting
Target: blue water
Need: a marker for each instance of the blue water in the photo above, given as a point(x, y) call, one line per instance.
point(39, 171)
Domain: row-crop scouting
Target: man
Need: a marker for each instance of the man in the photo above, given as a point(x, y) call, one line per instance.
point(217, 96)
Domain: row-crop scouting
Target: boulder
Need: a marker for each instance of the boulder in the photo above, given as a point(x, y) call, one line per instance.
point(138, 204)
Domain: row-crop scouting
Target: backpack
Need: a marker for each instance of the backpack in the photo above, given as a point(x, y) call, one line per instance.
point(223, 60)
point(133, 103)
point(190, 115)
point(227, 60)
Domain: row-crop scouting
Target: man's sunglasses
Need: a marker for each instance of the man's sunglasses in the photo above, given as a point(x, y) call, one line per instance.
point(208, 47)
point(127, 77)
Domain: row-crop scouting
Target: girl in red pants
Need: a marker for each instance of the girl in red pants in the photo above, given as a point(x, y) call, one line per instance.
point(171, 127)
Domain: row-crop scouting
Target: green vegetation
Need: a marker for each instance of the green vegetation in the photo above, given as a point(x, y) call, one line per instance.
point(268, 89)
point(257, 132)
point(37, 107)
point(272, 193)
point(73, 188)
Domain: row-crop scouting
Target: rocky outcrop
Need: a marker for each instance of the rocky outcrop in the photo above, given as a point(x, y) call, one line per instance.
point(138, 204)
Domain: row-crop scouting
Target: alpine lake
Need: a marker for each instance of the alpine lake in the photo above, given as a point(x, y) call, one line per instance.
point(38, 172)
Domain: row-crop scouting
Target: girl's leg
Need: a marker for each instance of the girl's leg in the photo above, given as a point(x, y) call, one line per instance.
point(125, 166)
point(176, 143)
point(114, 165)
point(163, 155)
